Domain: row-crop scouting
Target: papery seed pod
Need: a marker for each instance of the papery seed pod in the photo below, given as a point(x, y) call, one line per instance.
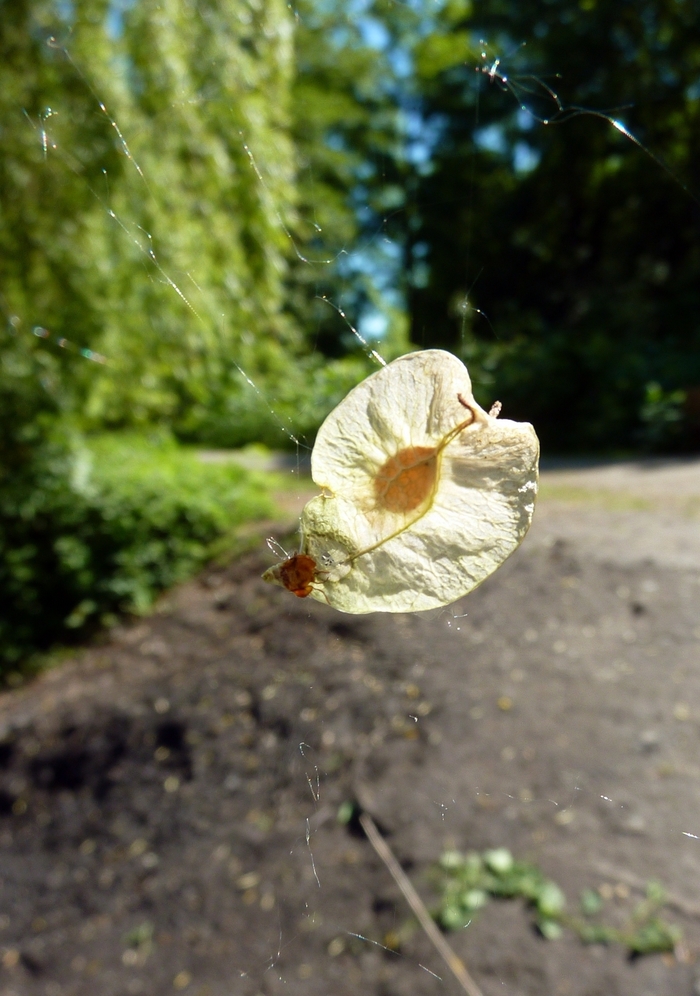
point(424, 493)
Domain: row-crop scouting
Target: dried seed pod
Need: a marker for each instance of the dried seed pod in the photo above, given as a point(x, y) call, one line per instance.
point(424, 493)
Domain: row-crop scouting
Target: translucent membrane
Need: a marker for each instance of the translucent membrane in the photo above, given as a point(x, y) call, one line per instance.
point(424, 493)
point(406, 480)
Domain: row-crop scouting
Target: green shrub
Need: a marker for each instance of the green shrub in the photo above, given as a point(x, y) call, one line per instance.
point(286, 408)
point(87, 530)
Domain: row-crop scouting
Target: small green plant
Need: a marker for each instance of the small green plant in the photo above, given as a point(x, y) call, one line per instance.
point(468, 881)
point(644, 933)
point(138, 944)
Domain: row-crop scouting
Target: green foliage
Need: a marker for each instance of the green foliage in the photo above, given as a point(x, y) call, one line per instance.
point(92, 529)
point(466, 881)
point(31, 399)
point(57, 148)
point(662, 415)
point(559, 258)
point(266, 161)
point(292, 408)
point(204, 99)
point(147, 179)
point(645, 933)
point(348, 135)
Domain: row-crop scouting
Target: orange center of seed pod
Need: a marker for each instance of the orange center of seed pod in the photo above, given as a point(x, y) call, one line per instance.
point(406, 480)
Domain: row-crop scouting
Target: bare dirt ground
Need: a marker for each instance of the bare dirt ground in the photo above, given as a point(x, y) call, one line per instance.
point(168, 799)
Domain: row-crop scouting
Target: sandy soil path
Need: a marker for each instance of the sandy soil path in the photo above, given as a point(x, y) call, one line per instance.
point(168, 799)
point(625, 513)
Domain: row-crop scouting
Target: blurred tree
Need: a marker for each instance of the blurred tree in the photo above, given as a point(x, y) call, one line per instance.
point(349, 139)
point(580, 251)
point(273, 157)
point(47, 213)
point(145, 186)
point(204, 97)
point(194, 287)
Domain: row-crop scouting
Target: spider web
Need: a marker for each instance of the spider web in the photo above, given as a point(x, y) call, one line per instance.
point(517, 745)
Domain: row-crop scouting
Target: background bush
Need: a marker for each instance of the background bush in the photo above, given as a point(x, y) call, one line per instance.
point(88, 529)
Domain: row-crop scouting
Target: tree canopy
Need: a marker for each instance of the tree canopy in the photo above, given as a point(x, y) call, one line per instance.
point(545, 244)
point(195, 190)
point(147, 181)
